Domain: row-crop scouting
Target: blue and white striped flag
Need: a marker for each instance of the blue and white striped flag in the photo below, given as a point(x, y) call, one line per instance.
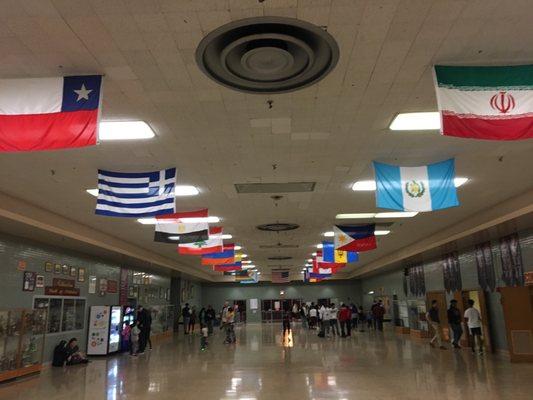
point(426, 188)
point(137, 194)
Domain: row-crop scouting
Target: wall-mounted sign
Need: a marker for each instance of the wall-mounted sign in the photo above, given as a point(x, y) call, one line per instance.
point(112, 286)
point(57, 268)
point(39, 281)
point(21, 266)
point(61, 291)
point(81, 274)
point(48, 267)
point(65, 283)
point(28, 281)
point(528, 278)
point(92, 284)
point(73, 272)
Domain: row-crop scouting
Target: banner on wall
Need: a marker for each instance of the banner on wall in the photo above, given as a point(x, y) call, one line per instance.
point(417, 282)
point(452, 273)
point(486, 276)
point(124, 287)
point(512, 268)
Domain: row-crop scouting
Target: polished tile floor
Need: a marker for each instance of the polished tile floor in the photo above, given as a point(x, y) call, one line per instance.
point(263, 365)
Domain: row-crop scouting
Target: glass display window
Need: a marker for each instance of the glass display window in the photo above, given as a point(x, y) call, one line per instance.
point(63, 314)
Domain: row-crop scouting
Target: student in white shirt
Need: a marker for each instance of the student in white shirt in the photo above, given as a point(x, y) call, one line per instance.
point(333, 319)
point(473, 320)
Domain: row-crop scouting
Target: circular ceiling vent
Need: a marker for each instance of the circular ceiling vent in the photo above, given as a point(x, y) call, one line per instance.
point(280, 258)
point(277, 227)
point(267, 54)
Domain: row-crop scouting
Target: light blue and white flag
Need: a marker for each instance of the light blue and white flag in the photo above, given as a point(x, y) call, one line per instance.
point(425, 188)
point(138, 194)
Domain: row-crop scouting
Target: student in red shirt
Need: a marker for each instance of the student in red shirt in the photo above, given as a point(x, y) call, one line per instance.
point(345, 316)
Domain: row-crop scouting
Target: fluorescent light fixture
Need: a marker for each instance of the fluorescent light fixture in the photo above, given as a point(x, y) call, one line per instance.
point(124, 130)
point(153, 221)
point(381, 232)
point(356, 216)
point(185, 190)
point(92, 192)
point(371, 185)
point(308, 265)
point(238, 247)
point(302, 272)
point(259, 273)
point(309, 260)
point(244, 255)
point(319, 246)
point(371, 292)
point(399, 214)
point(226, 236)
point(246, 261)
point(417, 121)
point(314, 254)
point(248, 266)
point(364, 186)
point(459, 181)
point(174, 238)
point(328, 234)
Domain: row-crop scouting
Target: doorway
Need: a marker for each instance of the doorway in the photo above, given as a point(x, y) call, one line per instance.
point(480, 304)
point(241, 310)
point(517, 304)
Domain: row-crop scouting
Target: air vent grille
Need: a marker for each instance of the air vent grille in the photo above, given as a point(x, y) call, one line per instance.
point(289, 187)
point(278, 227)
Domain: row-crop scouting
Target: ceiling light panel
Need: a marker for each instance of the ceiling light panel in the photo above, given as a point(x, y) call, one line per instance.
point(418, 121)
point(124, 130)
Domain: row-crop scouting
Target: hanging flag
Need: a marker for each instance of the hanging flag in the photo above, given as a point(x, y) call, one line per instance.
point(224, 257)
point(280, 276)
point(322, 267)
point(174, 228)
point(354, 237)
point(426, 188)
point(253, 277)
point(494, 103)
point(236, 266)
point(329, 254)
point(214, 244)
point(49, 113)
point(135, 194)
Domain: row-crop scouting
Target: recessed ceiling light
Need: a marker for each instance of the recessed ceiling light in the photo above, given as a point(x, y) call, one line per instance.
point(319, 246)
point(356, 216)
point(364, 186)
point(328, 234)
point(153, 221)
point(238, 247)
point(92, 192)
point(124, 130)
point(417, 121)
point(227, 236)
point(185, 190)
point(381, 232)
point(371, 185)
point(398, 214)
point(371, 292)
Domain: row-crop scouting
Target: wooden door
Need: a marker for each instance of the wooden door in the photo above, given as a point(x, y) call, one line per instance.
point(517, 304)
point(440, 296)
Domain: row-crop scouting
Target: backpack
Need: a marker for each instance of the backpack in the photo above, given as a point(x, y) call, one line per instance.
point(60, 355)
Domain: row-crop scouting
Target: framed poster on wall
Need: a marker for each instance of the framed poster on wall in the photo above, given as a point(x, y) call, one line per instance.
point(28, 281)
point(48, 267)
point(57, 268)
point(39, 281)
point(73, 271)
point(65, 269)
point(92, 284)
point(81, 274)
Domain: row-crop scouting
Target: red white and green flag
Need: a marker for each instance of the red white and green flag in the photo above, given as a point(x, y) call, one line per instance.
point(213, 244)
point(494, 103)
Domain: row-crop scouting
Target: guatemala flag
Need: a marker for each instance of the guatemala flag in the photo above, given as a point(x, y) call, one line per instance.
point(136, 194)
point(426, 188)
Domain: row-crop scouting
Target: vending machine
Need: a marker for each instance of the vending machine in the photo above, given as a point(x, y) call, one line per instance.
point(104, 330)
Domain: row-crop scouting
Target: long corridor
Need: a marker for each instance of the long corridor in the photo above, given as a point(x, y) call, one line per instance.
point(263, 365)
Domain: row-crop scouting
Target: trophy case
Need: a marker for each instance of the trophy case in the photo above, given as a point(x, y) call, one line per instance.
point(21, 342)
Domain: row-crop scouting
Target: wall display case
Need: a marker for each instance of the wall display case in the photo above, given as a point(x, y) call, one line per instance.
point(162, 318)
point(21, 342)
point(64, 314)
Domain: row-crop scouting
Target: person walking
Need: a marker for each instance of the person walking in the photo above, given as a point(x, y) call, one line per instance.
point(192, 320)
point(186, 313)
point(143, 325)
point(345, 316)
point(313, 316)
point(354, 316)
point(333, 320)
point(378, 312)
point(433, 319)
point(303, 316)
point(473, 320)
point(323, 320)
point(230, 326)
point(210, 319)
point(148, 327)
point(454, 322)
point(362, 319)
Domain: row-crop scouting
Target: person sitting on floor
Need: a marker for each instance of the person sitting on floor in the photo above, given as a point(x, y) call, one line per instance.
point(73, 354)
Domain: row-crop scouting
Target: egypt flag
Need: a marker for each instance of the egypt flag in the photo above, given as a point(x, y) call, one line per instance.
point(49, 113)
point(355, 237)
point(494, 103)
point(182, 227)
point(214, 244)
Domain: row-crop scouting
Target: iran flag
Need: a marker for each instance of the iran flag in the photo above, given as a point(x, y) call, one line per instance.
point(49, 113)
point(494, 103)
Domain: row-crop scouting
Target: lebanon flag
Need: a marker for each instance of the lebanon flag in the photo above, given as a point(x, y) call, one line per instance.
point(214, 244)
point(49, 113)
point(494, 103)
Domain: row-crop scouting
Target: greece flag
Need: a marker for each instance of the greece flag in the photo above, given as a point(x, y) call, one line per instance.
point(425, 188)
point(138, 194)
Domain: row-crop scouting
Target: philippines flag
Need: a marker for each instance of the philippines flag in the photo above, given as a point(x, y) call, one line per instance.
point(182, 227)
point(135, 194)
point(49, 113)
point(355, 237)
point(213, 244)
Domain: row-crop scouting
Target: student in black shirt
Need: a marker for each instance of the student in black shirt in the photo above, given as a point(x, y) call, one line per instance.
point(454, 321)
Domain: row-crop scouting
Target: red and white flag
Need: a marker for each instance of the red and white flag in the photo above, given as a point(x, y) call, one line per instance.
point(49, 113)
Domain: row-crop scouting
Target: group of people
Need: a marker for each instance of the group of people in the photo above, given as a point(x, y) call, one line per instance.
point(207, 318)
point(136, 336)
point(472, 316)
point(340, 321)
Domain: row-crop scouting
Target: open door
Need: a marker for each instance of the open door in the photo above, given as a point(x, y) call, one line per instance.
point(517, 304)
point(441, 301)
point(479, 302)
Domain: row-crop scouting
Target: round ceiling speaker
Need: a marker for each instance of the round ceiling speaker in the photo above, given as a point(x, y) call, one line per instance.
point(277, 227)
point(267, 54)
